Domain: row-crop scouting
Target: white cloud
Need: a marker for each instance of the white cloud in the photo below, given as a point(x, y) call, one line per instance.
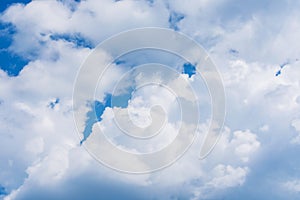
point(293, 186)
point(296, 125)
point(246, 143)
point(104, 19)
point(40, 145)
point(227, 176)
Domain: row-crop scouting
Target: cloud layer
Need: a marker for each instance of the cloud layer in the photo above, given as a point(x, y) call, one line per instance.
point(41, 156)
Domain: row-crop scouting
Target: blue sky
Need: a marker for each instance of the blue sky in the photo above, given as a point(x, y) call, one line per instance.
point(10, 62)
point(255, 47)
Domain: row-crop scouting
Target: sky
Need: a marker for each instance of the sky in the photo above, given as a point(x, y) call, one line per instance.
point(44, 151)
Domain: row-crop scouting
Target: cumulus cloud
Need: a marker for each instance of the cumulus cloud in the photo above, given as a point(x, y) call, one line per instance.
point(40, 148)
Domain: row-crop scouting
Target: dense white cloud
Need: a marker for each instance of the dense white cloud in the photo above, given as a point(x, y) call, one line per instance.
point(93, 20)
point(227, 176)
point(40, 148)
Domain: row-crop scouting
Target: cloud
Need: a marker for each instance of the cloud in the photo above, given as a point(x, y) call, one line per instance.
point(227, 176)
point(41, 156)
point(123, 16)
point(296, 125)
point(293, 186)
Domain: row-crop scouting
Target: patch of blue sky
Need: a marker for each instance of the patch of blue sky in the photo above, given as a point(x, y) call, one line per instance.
point(122, 99)
point(52, 104)
point(174, 19)
point(119, 62)
point(189, 69)
point(244, 11)
point(234, 52)
point(6, 33)
point(278, 73)
point(77, 39)
point(6, 3)
point(72, 4)
point(281, 67)
point(2, 191)
point(10, 62)
point(94, 115)
point(97, 109)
